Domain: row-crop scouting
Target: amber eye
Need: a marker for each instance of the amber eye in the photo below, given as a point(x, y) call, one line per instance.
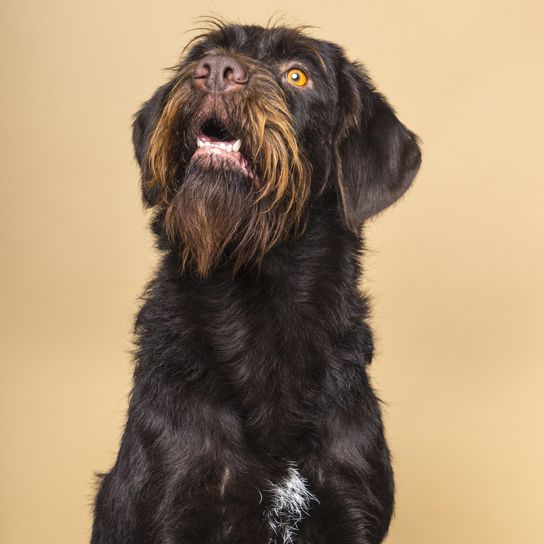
point(295, 76)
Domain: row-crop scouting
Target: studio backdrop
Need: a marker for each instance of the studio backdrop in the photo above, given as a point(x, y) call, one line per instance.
point(455, 273)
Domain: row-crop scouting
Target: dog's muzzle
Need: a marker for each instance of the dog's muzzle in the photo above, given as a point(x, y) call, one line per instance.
point(219, 76)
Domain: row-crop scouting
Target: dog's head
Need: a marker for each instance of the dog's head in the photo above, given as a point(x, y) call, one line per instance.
point(255, 129)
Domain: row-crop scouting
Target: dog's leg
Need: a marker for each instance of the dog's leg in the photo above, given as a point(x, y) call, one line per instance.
point(116, 506)
point(348, 511)
point(183, 481)
point(352, 480)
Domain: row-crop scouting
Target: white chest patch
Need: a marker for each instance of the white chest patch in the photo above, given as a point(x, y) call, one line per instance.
point(291, 500)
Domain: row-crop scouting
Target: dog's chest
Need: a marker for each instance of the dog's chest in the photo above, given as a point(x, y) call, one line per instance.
point(274, 375)
point(266, 356)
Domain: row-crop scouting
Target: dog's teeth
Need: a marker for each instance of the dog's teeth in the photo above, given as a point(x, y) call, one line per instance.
point(199, 142)
point(236, 145)
point(206, 144)
point(229, 148)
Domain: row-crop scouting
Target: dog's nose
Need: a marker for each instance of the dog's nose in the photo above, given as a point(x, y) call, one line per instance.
point(219, 73)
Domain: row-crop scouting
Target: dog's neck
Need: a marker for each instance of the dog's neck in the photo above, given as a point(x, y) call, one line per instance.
point(323, 262)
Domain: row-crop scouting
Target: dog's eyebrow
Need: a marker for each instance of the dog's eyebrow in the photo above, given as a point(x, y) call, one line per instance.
point(294, 61)
point(303, 50)
point(313, 53)
point(290, 44)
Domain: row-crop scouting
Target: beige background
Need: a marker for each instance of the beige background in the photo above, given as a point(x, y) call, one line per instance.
point(455, 271)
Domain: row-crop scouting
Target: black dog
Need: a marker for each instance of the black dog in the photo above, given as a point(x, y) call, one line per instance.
point(252, 419)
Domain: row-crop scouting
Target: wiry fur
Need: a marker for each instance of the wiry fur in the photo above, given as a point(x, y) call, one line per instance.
point(252, 419)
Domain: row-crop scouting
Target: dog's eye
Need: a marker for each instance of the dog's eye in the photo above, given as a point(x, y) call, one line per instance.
point(295, 76)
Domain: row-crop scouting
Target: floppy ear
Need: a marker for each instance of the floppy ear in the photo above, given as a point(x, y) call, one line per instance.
point(377, 156)
point(143, 126)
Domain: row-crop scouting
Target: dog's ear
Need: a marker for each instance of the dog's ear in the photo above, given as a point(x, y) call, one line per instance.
point(143, 126)
point(377, 156)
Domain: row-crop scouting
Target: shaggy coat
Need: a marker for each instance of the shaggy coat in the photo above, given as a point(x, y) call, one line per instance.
point(252, 419)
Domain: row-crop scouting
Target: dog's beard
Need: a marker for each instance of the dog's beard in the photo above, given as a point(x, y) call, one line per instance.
point(214, 217)
point(217, 211)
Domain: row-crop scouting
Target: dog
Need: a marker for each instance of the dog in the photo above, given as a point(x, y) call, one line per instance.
point(252, 419)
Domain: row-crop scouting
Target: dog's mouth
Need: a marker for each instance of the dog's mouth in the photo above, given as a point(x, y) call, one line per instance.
point(217, 144)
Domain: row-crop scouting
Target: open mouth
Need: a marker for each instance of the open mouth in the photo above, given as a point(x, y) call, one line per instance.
point(216, 142)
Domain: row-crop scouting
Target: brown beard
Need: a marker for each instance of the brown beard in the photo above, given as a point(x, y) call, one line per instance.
point(215, 213)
